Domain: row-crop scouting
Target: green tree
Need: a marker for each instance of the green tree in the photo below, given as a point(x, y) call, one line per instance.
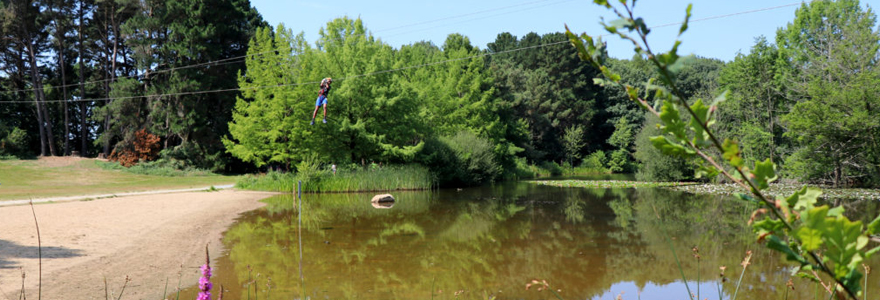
point(371, 116)
point(548, 89)
point(269, 125)
point(798, 228)
point(573, 140)
point(752, 109)
point(830, 54)
point(653, 165)
point(171, 35)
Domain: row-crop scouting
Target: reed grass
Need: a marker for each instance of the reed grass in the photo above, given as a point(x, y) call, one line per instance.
point(406, 177)
point(157, 168)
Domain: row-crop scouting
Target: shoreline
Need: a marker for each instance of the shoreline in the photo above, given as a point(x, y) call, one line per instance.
point(148, 238)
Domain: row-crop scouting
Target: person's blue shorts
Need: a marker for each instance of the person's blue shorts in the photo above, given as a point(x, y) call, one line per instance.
point(322, 100)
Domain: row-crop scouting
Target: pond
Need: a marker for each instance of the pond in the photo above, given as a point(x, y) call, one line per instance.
point(483, 242)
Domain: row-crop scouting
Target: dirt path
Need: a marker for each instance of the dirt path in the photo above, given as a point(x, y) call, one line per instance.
point(145, 237)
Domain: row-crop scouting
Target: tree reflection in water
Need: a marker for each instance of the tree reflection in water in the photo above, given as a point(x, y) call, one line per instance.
point(587, 243)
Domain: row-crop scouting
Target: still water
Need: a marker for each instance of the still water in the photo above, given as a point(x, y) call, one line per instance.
point(492, 241)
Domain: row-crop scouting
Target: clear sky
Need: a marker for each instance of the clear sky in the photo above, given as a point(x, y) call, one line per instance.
point(403, 22)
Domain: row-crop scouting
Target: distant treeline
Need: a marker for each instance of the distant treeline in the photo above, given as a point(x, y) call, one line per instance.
point(157, 80)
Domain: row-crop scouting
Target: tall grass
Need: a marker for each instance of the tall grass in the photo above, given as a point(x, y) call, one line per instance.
point(156, 168)
point(407, 177)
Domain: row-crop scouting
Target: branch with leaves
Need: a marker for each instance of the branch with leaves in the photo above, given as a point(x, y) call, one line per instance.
point(818, 238)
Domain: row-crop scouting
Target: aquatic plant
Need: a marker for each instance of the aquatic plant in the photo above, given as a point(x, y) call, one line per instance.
point(407, 177)
point(609, 184)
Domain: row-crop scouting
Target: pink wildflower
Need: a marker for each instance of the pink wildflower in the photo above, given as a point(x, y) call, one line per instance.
point(205, 283)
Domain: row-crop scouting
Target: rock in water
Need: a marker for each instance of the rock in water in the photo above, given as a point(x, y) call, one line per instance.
point(382, 205)
point(382, 198)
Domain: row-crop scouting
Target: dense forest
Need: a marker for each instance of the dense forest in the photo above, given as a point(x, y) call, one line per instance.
point(208, 84)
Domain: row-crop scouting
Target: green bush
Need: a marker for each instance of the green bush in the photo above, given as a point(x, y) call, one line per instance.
point(596, 160)
point(653, 165)
point(620, 162)
point(552, 167)
point(14, 143)
point(461, 160)
point(520, 170)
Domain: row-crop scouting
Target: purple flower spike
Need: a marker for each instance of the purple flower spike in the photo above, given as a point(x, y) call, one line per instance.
point(205, 283)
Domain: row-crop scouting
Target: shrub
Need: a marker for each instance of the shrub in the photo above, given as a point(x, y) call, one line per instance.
point(653, 165)
point(620, 162)
point(461, 160)
point(15, 143)
point(144, 147)
point(520, 170)
point(552, 168)
point(595, 160)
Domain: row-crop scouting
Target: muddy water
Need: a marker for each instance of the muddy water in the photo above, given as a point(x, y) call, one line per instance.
point(484, 242)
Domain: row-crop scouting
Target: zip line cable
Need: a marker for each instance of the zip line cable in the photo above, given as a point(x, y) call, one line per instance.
point(478, 18)
point(301, 83)
point(458, 16)
point(213, 63)
point(732, 14)
point(225, 61)
point(384, 71)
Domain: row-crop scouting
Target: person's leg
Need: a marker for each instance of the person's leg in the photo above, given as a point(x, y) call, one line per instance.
point(325, 111)
point(315, 113)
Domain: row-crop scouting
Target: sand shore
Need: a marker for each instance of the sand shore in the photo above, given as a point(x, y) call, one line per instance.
point(145, 237)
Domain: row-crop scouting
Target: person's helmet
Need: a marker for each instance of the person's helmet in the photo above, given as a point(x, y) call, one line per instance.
point(329, 80)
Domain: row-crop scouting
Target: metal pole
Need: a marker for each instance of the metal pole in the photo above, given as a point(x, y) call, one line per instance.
point(299, 230)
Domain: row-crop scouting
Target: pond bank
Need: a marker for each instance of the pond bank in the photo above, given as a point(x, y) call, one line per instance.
point(775, 190)
point(149, 238)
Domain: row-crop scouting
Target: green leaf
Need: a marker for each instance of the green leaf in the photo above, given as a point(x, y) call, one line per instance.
point(804, 199)
point(775, 243)
point(640, 23)
point(680, 62)
point(672, 122)
point(765, 173)
point(815, 217)
point(687, 18)
point(578, 45)
point(702, 113)
point(705, 170)
point(732, 153)
point(720, 98)
point(871, 252)
point(852, 280)
point(810, 238)
point(602, 3)
point(768, 225)
point(667, 147)
point(746, 197)
point(835, 212)
point(874, 226)
point(618, 24)
point(808, 276)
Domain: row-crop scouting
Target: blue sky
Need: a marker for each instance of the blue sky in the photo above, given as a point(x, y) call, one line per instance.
point(403, 22)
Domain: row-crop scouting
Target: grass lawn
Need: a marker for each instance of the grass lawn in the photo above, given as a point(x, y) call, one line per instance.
point(67, 176)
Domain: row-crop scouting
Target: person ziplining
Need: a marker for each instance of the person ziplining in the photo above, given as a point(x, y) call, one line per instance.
point(322, 99)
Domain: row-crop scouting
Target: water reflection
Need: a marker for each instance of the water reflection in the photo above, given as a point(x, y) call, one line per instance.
point(587, 243)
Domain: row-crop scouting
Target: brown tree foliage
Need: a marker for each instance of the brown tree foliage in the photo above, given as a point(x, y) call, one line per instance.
point(145, 147)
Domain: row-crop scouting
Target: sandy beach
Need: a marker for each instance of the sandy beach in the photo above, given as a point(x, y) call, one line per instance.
point(148, 238)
